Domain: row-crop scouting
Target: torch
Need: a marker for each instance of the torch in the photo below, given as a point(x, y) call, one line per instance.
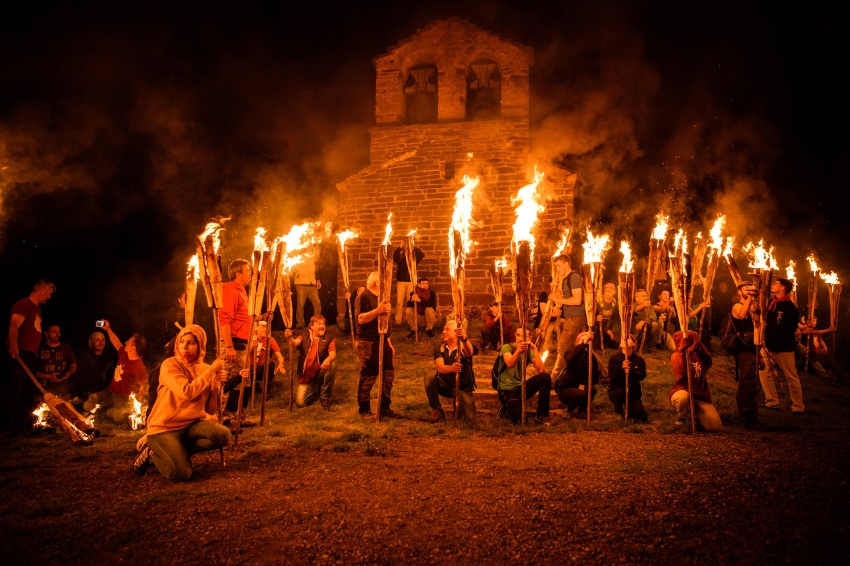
point(564, 248)
point(496, 282)
point(341, 239)
point(522, 257)
point(625, 299)
point(191, 289)
point(763, 263)
point(812, 305)
point(591, 272)
point(680, 281)
point(656, 241)
point(791, 276)
point(834, 287)
point(410, 258)
point(265, 267)
point(385, 279)
point(715, 246)
point(272, 289)
point(730, 261)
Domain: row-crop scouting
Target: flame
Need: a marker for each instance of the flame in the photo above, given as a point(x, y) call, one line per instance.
point(214, 228)
point(90, 418)
point(411, 233)
point(761, 258)
point(526, 213)
point(685, 243)
point(461, 219)
point(830, 278)
point(343, 237)
point(628, 264)
point(544, 355)
point(594, 248)
point(812, 263)
point(388, 231)
point(677, 241)
point(469, 155)
point(501, 263)
point(300, 236)
point(660, 231)
point(563, 244)
point(790, 275)
point(730, 244)
point(194, 267)
point(260, 244)
point(137, 419)
point(42, 412)
point(716, 239)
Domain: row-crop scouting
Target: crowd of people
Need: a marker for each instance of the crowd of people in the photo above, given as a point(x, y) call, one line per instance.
point(184, 394)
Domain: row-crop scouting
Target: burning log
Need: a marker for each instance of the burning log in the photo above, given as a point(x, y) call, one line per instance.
point(191, 289)
point(385, 278)
point(408, 247)
point(591, 271)
point(522, 258)
point(834, 287)
point(656, 242)
point(681, 284)
point(625, 299)
point(496, 282)
point(730, 261)
point(341, 239)
point(79, 430)
point(791, 276)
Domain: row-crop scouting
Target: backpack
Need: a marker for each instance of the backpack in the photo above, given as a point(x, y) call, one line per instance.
point(496, 369)
point(729, 336)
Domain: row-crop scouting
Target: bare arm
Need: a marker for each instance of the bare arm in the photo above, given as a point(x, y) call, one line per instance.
point(366, 317)
point(511, 360)
point(740, 310)
point(113, 339)
point(537, 362)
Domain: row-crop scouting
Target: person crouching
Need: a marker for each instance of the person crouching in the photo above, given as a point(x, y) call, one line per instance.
point(617, 366)
point(181, 421)
point(700, 361)
point(571, 384)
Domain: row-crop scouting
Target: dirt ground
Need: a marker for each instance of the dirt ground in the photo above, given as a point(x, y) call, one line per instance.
point(326, 488)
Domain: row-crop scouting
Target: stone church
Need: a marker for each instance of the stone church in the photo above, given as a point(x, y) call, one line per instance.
point(451, 100)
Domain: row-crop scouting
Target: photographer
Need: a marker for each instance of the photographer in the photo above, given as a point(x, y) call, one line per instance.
point(745, 356)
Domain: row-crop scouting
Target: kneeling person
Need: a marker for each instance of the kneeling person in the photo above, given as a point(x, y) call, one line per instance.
point(617, 367)
point(700, 362)
point(452, 358)
point(316, 364)
point(571, 384)
point(510, 379)
point(181, 422)
point(425, 302)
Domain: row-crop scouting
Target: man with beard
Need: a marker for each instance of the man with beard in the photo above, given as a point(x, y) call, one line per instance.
point(316, 364)
point(94, 368)
point(424, 301)
point(781, 341)
point(510, 379)
point(235, 327)
point(56, 363)
point(745, 356)
point(570, 299)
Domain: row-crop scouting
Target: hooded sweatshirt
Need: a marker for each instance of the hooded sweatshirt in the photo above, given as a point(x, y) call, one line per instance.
point(187, 390)
point(700, 361)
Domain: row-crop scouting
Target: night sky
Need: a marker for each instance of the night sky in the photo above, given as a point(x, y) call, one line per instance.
point(122, 130)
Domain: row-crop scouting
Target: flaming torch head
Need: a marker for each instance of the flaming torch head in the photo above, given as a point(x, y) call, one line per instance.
point(661, 224)
point(388, 231)
point(526, 213)
point(830, 278)
point(459, 240)
point(761, 258)
point(595, 247)
point(343, 237)
point(193, 268)
point(716, 232)
point(628, 265)
point(730, 245)
point(790, 274)
point(813, 265)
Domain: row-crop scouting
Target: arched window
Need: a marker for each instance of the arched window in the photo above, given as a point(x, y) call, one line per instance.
point(483, 91)
point(420, 93)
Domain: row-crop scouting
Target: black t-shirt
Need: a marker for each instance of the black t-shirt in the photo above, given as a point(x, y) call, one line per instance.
point(367, 301)
point(744, 328)
point(402, 274)
point(467, 376)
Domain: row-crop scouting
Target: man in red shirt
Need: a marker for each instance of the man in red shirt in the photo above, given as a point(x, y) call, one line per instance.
point(316, 367)
point(131, 376)
point(24, 339)
point(235, 325)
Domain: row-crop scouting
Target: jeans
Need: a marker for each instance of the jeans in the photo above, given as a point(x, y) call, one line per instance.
point(511, 399)
point(321, 387)
point(444, 385)
point(171, 452)
point(788, 366)
point(429, 319)
point(302, 293)
point(568, 330)
point(19, 392)
point(705, 412)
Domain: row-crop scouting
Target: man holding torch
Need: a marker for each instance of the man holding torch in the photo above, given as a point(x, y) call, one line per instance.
point(745, 356)
point(780, 341)
point(452, 359)
point(367, 309)
point(235, 330)
point(570, 299)
point(510, 378)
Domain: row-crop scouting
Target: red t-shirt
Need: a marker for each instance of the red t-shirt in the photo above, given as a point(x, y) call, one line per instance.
point(127, 374)
point(235, 310)
point(261, 361)
point(29, 333)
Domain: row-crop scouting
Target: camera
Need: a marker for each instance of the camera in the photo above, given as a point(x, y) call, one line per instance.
point(100, 323)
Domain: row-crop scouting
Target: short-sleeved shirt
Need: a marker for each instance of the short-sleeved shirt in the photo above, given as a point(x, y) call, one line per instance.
point(261, 359)
point(29, 333)
point(234, 313)
point(127, 374)
point(56, 359)
point(510, 378)
point(572, 281)
point(449, 356)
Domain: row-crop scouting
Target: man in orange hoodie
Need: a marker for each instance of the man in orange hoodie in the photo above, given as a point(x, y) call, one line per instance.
point(182, 420)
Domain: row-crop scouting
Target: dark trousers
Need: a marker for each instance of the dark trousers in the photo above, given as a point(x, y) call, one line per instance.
point(492, 336)
point(636, 409)
point(367, 355)
point(231, 386)
point(19, 394)
point(748, 387)
point(437, 385)
point(574, 398)
point(512, 399)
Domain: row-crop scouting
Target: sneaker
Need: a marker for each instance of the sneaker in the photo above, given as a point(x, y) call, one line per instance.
point(390, 414)
point(142, 443)
point(326, 404)
point(411, 335)
point(437, 415)
point(430, 334)
point(143, 461)
point(680, 421)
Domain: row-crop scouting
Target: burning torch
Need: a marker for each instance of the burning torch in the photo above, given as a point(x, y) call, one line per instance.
point(763, 263)
point(625, 299)
point(591, 272)
point(834, 287)
point(714, 252)
point(656, 241)
point(564, 248)
point(385, 278)
point(342, 250)
point(408, 247)
point(499, 267)
point(680, 279)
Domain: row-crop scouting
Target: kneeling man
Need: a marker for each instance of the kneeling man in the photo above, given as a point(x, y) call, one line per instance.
point(510, 379)
point(453, 359)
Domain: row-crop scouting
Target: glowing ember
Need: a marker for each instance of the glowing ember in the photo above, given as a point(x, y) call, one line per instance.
point(260, 244)
point(661, 223)
point(461, 219)
point(90, 418)
point(343, 237)
point(760, 258)
point(563, 244)
point(526, 213)
point(594, 248)
point(829, 278)
point(388, 231)
point(137, 419)
point(41, 414)
point(628, 264)
point(790, 275)
point(715, 233)
point(812, 263)
point(194, 267)
point(730, 245)
point(501, 263)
